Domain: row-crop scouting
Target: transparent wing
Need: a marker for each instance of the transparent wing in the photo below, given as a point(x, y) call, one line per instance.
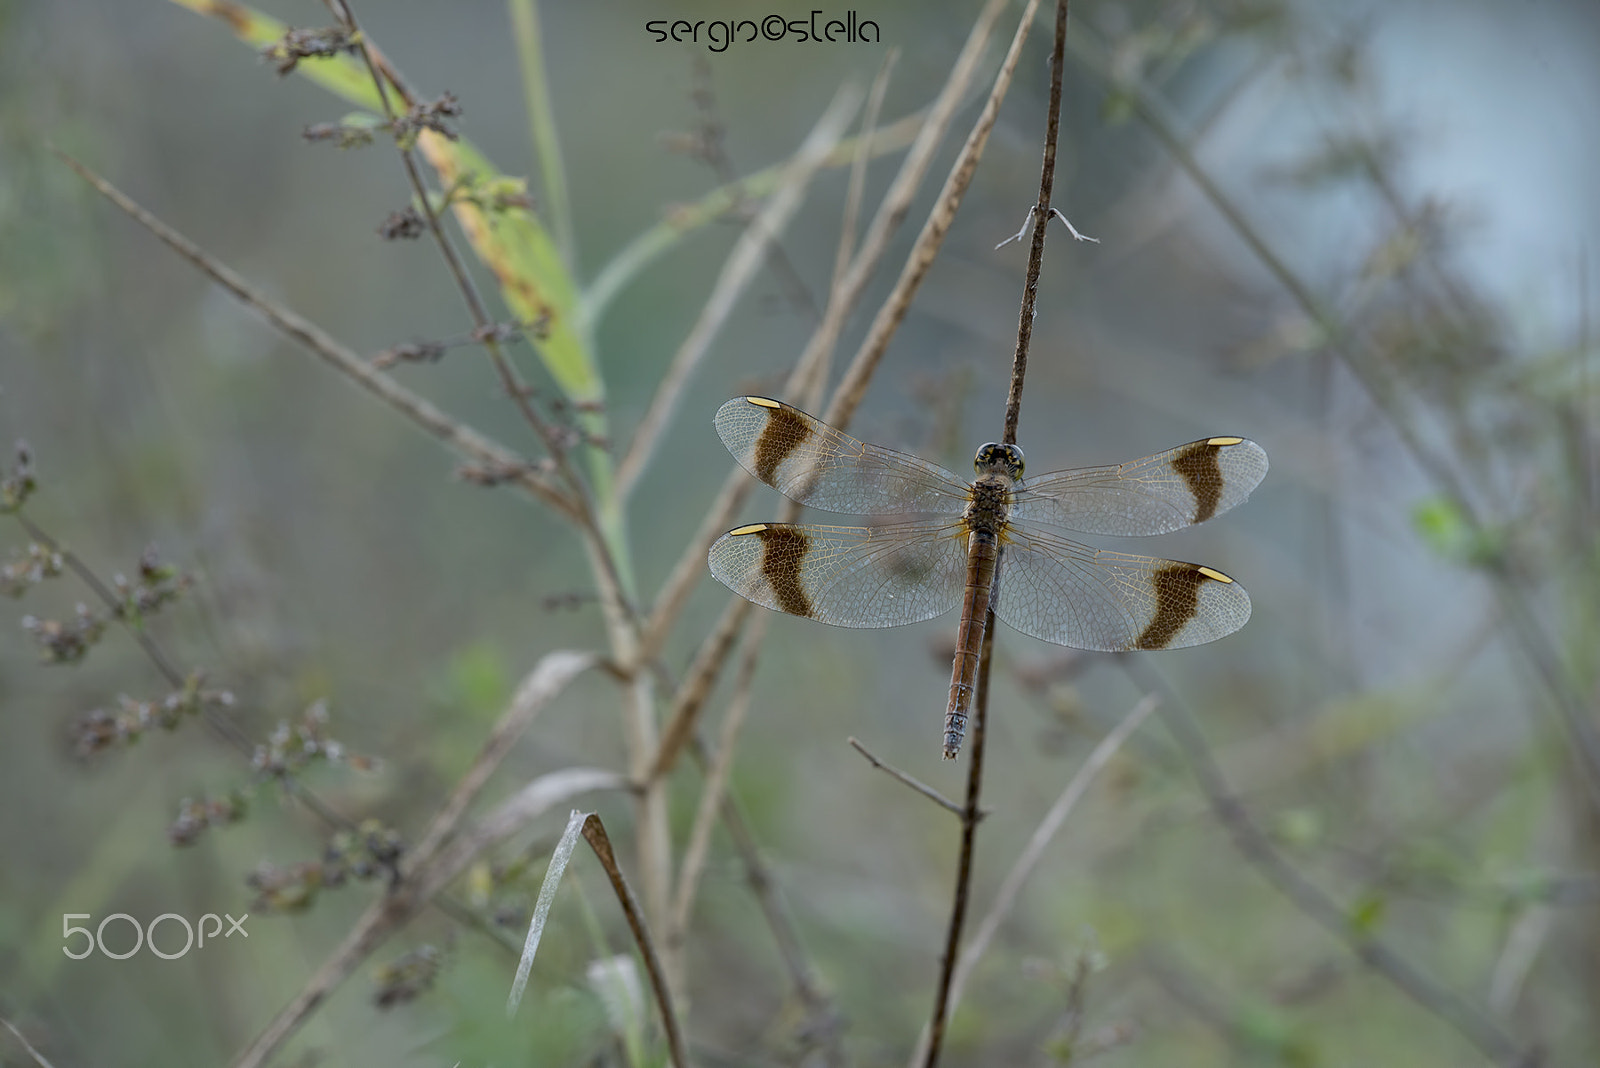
point(1160, 493)
point(1086, 598)
point(809, 461)
point(880, 576)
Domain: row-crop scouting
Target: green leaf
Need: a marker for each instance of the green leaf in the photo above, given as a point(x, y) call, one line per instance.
point(1442, 527)
point(1452, 535)
point(1367, 914)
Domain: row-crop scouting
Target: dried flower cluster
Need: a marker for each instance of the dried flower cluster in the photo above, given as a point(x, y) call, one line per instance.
point(292, 746)
point(19, 483)
point(364, 854)
point(100, 730)
point(27, 571)
point(286, 53)
point(407, 978)
point(195, 815)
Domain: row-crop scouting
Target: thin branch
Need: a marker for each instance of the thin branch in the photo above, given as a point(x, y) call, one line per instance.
point(910, 780)
point(1041, 224)
point(371, 930)
point(460, 437)
point(764, 888)
point(542, 123)
point(86, 575)
point(958, 180)
point(38, 1058)
point(808, 380)
point(594, 832)
point(469, 289)
point(969, 830)
point(697, 683)
point(746, 258)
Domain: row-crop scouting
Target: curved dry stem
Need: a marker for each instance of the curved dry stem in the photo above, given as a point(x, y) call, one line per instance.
point(594, 832)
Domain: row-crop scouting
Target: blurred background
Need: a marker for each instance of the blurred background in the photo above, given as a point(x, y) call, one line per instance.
point(1360, 234)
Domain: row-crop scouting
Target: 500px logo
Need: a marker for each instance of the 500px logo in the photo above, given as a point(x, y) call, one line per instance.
point(722, 33)
point(145, 935)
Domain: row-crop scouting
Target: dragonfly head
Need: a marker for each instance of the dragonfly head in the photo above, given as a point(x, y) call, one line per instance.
point(995, 458)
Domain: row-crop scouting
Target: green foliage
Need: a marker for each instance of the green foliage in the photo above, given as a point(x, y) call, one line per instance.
point(1445, 529)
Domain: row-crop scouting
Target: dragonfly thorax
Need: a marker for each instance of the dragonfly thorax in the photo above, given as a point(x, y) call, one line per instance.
point(990, 505)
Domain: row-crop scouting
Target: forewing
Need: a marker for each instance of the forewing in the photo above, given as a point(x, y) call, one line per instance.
point(876, 576)
point(1160, 493)
point(1087, 598)
point(809, 461)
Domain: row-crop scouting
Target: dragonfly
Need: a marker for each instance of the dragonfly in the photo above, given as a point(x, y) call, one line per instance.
point(934, 542)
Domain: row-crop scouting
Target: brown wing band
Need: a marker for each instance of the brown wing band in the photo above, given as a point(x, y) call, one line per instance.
point(784, 432)
point(1198, 466)
point(782, 551)
point(1177, 600)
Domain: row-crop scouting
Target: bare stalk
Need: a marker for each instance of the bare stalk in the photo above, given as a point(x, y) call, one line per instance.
point(1041, 225)
point(909, 780)
point(1019, 364)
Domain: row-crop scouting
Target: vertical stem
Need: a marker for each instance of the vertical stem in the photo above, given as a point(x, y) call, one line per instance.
point(1041, 223)
point(970, 815)
point(542, 124)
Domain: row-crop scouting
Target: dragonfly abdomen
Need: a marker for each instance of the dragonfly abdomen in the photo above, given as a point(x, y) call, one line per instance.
point(983, 555)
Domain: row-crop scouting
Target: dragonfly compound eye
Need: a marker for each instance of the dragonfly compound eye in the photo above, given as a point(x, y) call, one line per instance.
point(1011, 457)
point(985, 458)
